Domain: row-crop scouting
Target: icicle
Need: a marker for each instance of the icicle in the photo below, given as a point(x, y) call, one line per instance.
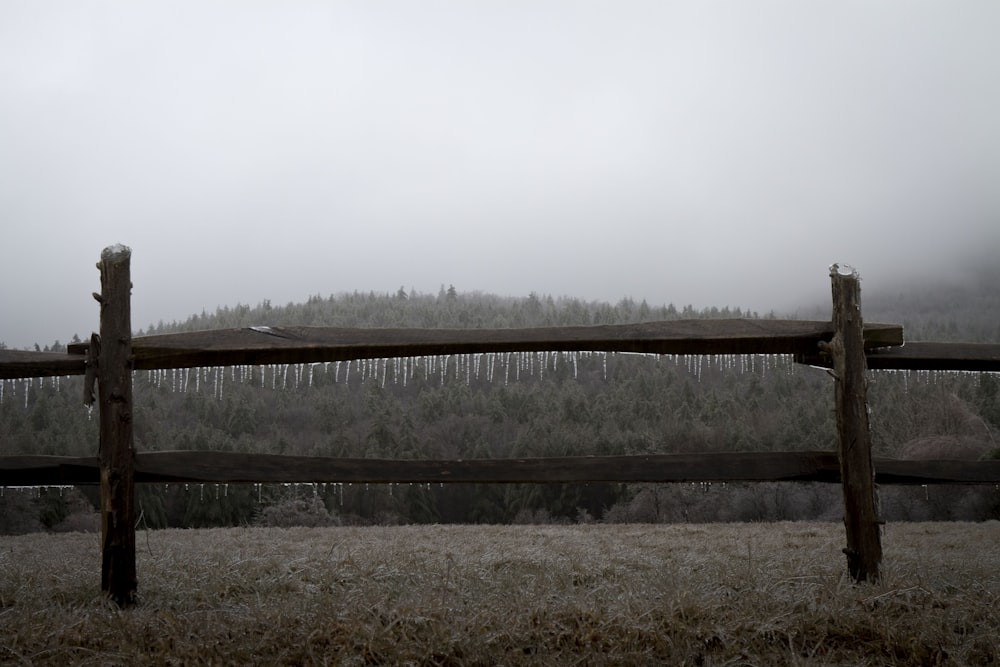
point(347, 373)
point(27, 384)
point(385, 369)
point(605, 364)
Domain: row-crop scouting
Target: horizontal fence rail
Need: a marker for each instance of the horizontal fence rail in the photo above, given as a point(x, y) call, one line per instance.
point(984, 357)
point(270, 345)
point(233, 468)
point(289, 345)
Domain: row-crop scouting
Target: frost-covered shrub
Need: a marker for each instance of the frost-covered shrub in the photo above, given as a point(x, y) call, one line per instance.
point(288, 512)
point(18, 513)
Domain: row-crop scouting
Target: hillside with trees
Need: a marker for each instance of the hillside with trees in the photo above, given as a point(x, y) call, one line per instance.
point(516, 405)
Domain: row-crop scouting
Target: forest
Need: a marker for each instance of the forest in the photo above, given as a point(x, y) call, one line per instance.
point(518, 405)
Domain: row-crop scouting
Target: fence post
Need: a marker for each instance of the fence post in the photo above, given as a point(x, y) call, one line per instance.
point(864, 545)
point(117, 463)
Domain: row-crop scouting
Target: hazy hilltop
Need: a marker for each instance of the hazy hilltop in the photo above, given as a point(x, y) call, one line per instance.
point(449, 308)
point(963, 307)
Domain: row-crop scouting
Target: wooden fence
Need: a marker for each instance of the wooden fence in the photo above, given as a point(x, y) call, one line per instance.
point(845, 345)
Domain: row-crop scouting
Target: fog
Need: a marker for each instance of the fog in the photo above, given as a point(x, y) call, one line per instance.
point(705, 153)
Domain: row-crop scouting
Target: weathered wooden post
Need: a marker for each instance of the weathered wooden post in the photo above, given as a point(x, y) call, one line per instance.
point(847, 349)
point(113, 355)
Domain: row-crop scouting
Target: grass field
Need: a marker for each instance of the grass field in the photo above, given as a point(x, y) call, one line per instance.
point(729, 594)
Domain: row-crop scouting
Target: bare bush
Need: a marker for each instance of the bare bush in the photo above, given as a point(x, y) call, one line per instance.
point(81, 517)
point(18, 513)
point(309, 512)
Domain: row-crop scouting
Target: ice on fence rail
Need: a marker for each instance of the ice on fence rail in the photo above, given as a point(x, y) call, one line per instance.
point(486, 367)
point(843, 270)
point(115, 251)
point(37, 490)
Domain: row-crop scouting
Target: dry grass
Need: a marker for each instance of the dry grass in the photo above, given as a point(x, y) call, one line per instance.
point(748, 594)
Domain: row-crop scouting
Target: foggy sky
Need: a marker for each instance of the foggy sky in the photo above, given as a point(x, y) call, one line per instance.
point(711, 153)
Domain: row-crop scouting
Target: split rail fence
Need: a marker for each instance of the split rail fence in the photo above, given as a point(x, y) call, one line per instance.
point(845, 345)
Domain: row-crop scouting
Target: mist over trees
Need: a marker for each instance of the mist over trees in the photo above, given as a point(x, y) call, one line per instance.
point(520, 405)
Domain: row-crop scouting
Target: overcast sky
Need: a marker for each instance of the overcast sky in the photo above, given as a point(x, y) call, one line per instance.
point(711, 153)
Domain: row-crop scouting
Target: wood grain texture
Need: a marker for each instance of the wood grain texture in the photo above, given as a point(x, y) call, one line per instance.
point(116, 451)
point(854, 444)
point(271, 345)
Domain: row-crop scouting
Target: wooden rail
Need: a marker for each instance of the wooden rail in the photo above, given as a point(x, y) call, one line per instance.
point(983, 357)
point(207, 467)
point(883, 342)
point(290, 345)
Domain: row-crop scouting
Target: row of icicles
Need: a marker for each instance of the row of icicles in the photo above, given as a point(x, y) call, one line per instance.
point(221, 490)
point(401, 370)
point(488, 366)
point(460, 367)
